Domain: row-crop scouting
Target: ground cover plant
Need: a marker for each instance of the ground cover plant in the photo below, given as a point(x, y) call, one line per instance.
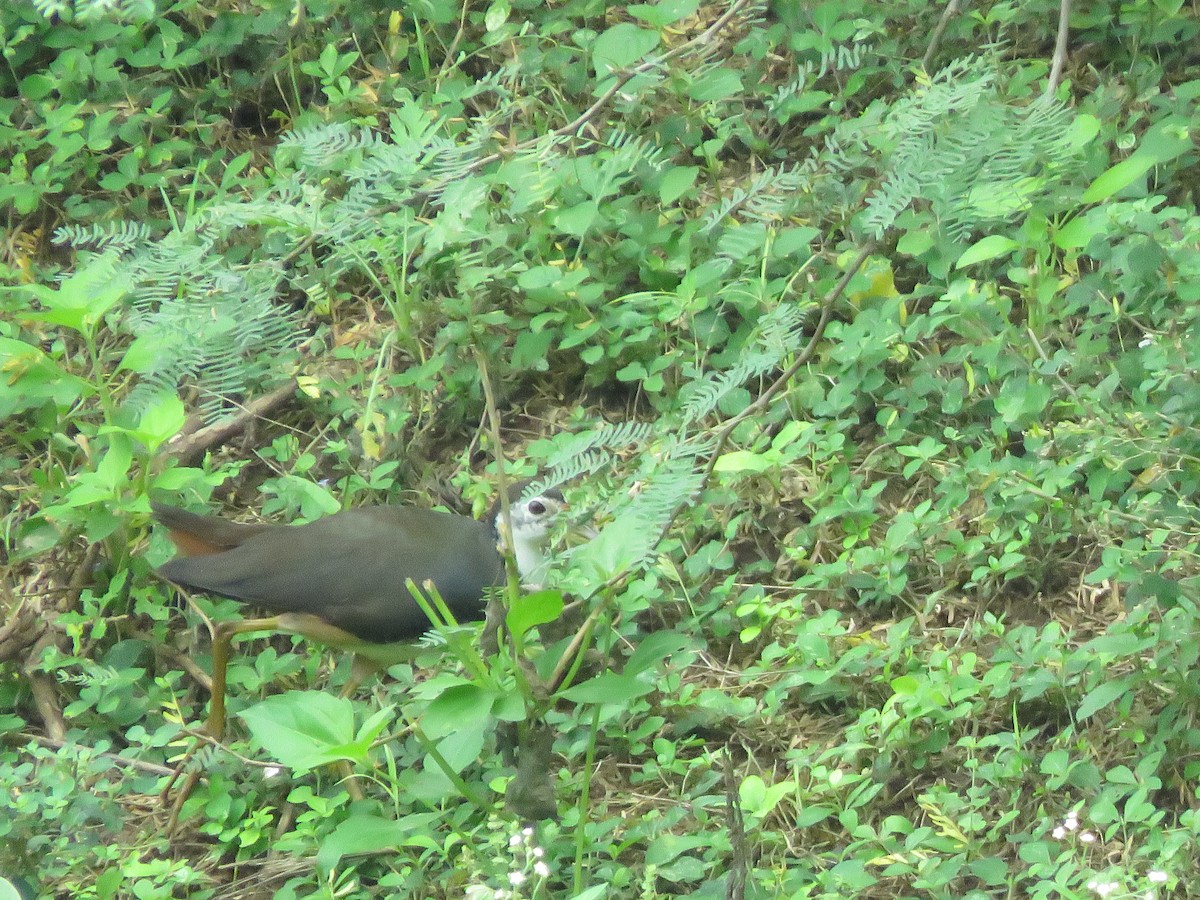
point(863, 334)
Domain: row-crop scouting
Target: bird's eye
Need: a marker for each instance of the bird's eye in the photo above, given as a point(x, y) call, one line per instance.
point(537, 507)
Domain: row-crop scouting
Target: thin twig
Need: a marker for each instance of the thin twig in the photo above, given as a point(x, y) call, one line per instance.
point(186, 449)
point(120, 762)
point(1060, 47)
point(948, 13)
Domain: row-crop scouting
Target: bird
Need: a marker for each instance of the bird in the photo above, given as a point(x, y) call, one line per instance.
point(341, 580)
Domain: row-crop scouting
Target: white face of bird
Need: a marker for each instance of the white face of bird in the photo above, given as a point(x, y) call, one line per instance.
point(532, 520)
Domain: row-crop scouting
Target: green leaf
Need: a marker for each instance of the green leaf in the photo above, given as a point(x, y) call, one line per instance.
point(532, 610)
point(612, 551)
point(496, 15)
point(715, 85)
point(1076, 234)
point(990, 870)
point(1021, 400)
point(621, 46)
point(303, 729)
point(142, 354)
point(1105, 695)
point(80, 300)
point(1117, 178)
point(653, 649)
point(455, 705)
point(608, 688)
point(1164, 142)
point(161, 421)
point(676, 182)
point(29, 378)
point(663, 13)
point(360, 834)
point(987, 248)
point(758, 799)
point(576, 220)
point(744, 461)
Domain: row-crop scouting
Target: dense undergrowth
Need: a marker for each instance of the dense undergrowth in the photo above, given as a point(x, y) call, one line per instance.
point(868, 345)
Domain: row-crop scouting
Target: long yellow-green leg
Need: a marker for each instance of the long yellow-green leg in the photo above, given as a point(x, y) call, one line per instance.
point(214, 725)
point(361, 669)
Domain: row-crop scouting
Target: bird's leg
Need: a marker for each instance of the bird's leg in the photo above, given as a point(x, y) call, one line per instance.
point(361, 668)
point(214, 725)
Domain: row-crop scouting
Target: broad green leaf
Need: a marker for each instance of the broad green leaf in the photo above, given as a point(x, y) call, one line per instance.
point(794, 241)
point(577, 219)
point(608, 688)
point(990, 870)
point(161, 421)
point(663, 13)
point(496, 15)
point(455, 705)
point(1076, 234)
point(361, 834)
point(315, 500)
point(653, 649)
point(758, 798)
point(669, 846)
point(621, 46)
point(613, 551)
point(990, 247)
point(534, 609)
point(1105, 695)
point(914, 242)
point(1084, 129)
point(302, 729)
point(715, 85)
point(82, 299)
point(462, 746)
point(744, 461)
point(29, 378)
point(1022, 400)
point(142, 354)
point(1164, 142)
point(676, 182)
point(1117, 178)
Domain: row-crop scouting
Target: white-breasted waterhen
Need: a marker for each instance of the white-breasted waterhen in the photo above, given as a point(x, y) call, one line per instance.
point(341, 580)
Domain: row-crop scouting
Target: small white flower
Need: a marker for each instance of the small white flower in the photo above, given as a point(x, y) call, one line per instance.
point(541, 870)
point(538, 853)
point(1146, 341)
point(1156, 876)
point(516, 879)
point(1149, 895)
point(514, 841)
point(1059, 833)
point(271, 771)
point(1087, 837)
point(527, 831)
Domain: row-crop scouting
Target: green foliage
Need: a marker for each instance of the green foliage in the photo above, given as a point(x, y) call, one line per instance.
point(918, 620)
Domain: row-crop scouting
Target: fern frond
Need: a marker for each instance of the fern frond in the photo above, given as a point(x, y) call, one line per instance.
point(973, 156)
point(104, 236)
